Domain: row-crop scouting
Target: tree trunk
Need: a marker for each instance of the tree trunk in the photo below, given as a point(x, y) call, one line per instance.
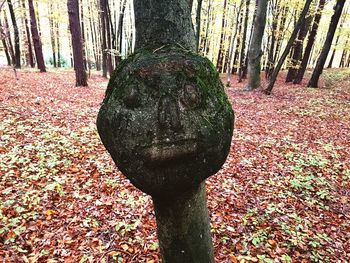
point(36, 38)
point(108, 39)
point(198, 23)
point(254, 53)
point(4, 44)
point(52, 34)
point(282, 29)
point(229, 72)
point(242, 55)
point(57, 28)
point(103, 37)
point(288, 47)
point(82, 27)
point(16, 35)
point(344, 53)
point(9, 41)
point(183, 224)
point(270, 53)
point(29, 41)
point(239, 24)
point(120, 26)
point(94, 39)
point(330, 63)
point(298, 50)
point(182, 228)
point(220, 59)
point(174, 29)
point(338, 8)
point(310, 43)
point(205, 40)
point(77, 45)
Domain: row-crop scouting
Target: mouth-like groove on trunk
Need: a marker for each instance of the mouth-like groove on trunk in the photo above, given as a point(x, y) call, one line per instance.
point(167, 153)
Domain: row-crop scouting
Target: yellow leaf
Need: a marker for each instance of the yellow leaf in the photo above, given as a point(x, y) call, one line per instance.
point(50, 212)
point(125, 247)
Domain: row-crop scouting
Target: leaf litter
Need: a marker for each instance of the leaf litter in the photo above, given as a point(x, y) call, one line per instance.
point(282, 196)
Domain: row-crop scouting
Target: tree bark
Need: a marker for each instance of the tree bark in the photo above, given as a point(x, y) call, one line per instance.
point(228, 71)
point(255, 53)
point(344, 53)
point(242, 54)
point(103, 37)
point(29, 41)
point(183, 224)
point(16, 35)
point(310, 43)
point(221, 52)
point(288, 47)
point(182, 228)
point(94, 39)
point(298, 50)
point(9, 41)
point(4, 44)
point(198, 23)
point(171, 20)
point(57, 29)
point(270, 53)
point(120, 26)
point(52, 35)
point(36, 38)
point(108, 39)
point(77, 45)
point(338, 8)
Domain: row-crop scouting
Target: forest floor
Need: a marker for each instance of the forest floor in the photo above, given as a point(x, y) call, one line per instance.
point(282, 196)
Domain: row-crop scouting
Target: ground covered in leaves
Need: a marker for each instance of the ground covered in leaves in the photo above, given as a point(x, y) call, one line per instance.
point(282, 196)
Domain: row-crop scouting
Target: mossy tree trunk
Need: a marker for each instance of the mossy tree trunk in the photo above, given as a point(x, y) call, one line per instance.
point(183, 223)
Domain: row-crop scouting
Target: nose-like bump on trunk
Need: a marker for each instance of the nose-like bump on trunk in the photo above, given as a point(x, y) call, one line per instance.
point(168, 114)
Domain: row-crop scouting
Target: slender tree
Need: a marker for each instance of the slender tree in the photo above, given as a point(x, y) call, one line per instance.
point(242, 53)
point(57, 27)
point(77, 45)
point(285, 53)
point(198, 23)
point(338, 8)
point(228, 63)
point(274, 10)
point(221, 52)
point(344, 53)
point(4, 44)
point(310, 43)
point(9, 41)
point(103, 37)
point(298, 49)
point(255, 53)
point(16, 35)
point(36, 38)
point(29, 41)
point(52, 34)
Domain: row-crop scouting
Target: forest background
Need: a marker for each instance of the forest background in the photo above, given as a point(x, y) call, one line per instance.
point(224, 31)
point(283, 194)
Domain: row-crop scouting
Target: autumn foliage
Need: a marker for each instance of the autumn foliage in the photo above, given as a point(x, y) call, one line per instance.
point(282, 195)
